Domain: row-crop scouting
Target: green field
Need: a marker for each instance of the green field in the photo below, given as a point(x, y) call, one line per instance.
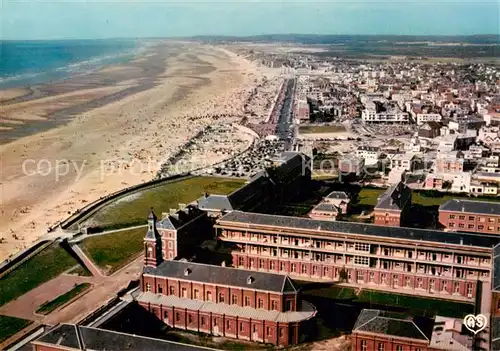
point(113, 251)
point(50, 306)
point(417, 305)
point(44, 266)
point(312, 129)
point(133, 209)
point(10, 326)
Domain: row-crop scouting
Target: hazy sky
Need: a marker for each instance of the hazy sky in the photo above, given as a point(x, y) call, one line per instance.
point(65, 19)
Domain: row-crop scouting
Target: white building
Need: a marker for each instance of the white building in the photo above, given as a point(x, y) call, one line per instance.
point(370, 115)
point(428, 117)
point(369, 153)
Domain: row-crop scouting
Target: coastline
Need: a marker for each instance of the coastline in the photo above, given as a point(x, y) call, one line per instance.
point(136, 118)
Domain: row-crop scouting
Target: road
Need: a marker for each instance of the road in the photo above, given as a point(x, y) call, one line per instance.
point(284, 128)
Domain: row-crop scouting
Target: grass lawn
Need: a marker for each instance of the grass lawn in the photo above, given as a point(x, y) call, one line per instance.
point(50, 306)
point(337, 128)
point(10, 326)
point(133, 209)
point(44, 266)
point(113, 251)
point(368, 197)
point(417, 305)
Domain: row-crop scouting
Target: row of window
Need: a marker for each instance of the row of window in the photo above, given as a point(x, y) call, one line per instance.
point(222, 297)
point(473, 218)
point(381, 346)
point(472, 226)
point(215, 323)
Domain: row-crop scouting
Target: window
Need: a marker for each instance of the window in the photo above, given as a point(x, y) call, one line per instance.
point(274, 305)
point(209, 296)
point(456, 288)
point(234, 299)
point(202, 320)
point(371, 277)
point(169, 244)
point(451, 224)
point(261, 264)
point(281, 332)
point(461, 225)
point(304, 269)
point(165, 315)
point(381, 346)
point(399, 347)
point(461, 217)
point(215, 322)
point(160, 289)
point(361, 261)
point(273, 265)
point(184, 292)
point(241, 261)
point(242, 327)
point(364, 345)
point(480, 227)
point(408, 282)
point(247, 301)
point(362, 247)
point(293, 268)
point(471, 218)
point(148, 287)
point(260, 303)
point(228, 324)
point(469, 290)
point(221, 297)
point(452, 216)
point(470, 226)
point(196, 294)
point(177, 316)
point(172, 290)
point(190, 318)
point(420, 283)
point(490, 228)
point(268, 331)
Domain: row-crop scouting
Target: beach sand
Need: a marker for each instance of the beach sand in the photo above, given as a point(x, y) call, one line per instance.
point(74, 141)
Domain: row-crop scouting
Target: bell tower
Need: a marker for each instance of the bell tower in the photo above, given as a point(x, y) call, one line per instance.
point(152, 243)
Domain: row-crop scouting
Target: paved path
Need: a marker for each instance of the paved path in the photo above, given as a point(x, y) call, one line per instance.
point(86, 236)
point(96, 272)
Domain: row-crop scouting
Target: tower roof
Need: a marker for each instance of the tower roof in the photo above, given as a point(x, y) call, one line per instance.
point(151, 215)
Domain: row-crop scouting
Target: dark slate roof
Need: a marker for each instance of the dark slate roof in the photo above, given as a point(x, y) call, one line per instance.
point(381, 322)
point(482, 207)
point(326, 207)
point(327, 227)
point(181, 217)
point(292, 162)
point(63, 335)
point(101, 339)
point(223, 275)
point(496, 269)
point(238, 198)
point(340, 195)
point(395, 198)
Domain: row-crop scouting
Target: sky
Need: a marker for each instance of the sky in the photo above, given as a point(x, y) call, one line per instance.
point(88, 19)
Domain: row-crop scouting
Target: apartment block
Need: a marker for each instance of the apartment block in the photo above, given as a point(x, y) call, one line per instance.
point(407, 260)
point(470, 216)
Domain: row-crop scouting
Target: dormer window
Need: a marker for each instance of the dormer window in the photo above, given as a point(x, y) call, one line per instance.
point(250, 280)
point(187, 271)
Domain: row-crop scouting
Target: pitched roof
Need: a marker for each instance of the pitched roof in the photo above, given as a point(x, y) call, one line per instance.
point(395, 198)
point(87, 338)
point(340, 195)
point(223, 276)
point(381, 322)
point(325, 207)
point(179, 218)
point(495, 282)
point(327, 228)
point(482, 207)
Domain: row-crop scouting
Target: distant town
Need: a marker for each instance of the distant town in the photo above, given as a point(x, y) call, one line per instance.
point(349, 204)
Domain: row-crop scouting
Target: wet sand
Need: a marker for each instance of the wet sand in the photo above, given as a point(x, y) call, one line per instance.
point(131, 117)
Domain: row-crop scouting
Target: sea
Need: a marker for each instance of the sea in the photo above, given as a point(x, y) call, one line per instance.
point(25, 63)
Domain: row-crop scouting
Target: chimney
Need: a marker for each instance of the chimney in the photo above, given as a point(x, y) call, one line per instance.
point(223, 264)
point(172, 211)
point(206, 195)
point(250, 280)
point(164, 215)
point(187, 271)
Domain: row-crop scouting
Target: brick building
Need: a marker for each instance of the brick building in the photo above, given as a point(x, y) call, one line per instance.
point(470, 216)
point(70, 337)
point(393, 207)
point(377, 330)
point(407, 260)
point(240, 304)
point(172, 236)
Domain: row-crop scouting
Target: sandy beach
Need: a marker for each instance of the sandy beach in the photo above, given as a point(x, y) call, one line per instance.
point(68, 143)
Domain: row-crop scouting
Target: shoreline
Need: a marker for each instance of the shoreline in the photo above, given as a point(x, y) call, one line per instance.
point(187, 85)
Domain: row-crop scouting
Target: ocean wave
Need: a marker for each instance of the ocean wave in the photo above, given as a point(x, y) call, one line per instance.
point(72, 69)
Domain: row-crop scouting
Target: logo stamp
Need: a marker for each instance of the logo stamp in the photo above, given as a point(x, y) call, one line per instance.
point(475, 323)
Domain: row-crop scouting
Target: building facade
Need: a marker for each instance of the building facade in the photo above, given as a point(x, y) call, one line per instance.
point(394, 206)
point(223, 301)
point(470, 216)
point(407, 260)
